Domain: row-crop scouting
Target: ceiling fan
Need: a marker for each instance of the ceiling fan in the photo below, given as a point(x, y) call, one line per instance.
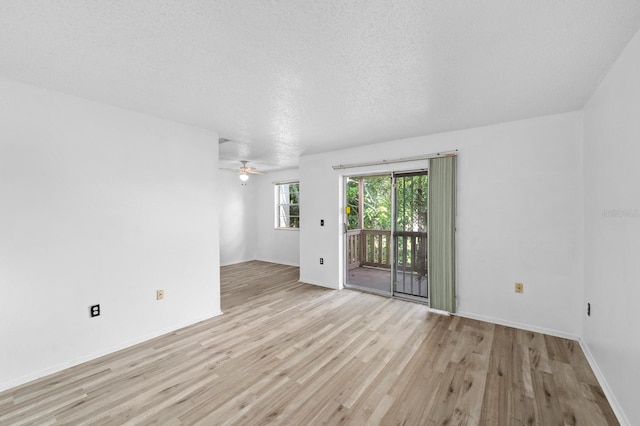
point(245, 171)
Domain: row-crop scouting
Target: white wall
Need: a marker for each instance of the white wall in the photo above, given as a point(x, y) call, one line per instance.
point(612, 243)
point(275, 245)
point(237, 218)
point(247, 215)
point(519, 218)
point(99, 205)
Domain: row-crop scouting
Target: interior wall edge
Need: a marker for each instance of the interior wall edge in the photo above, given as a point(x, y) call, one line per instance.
point(602, 381)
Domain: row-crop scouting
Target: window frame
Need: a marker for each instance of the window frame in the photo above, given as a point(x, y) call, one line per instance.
point(279, 205)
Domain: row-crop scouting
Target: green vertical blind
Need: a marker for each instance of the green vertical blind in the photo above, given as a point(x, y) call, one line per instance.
point(442, 229)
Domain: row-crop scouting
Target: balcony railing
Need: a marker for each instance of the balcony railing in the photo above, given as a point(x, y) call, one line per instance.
point(367, 247)
point(412, 252)
point(353, 248)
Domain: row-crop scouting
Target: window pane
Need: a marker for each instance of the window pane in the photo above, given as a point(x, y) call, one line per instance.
point(287, 208)
point(294, 191)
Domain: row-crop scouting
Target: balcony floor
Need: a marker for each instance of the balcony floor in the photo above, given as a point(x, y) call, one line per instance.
point(377, 279)
point(370, 278)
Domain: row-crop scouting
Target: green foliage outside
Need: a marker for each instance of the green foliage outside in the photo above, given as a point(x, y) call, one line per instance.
point(352, 203)
point(294, 208)
point(289, 205)
point(377, 202)
point(411, 199)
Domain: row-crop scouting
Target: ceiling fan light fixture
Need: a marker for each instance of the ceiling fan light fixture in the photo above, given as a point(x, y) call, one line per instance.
point(244, 176)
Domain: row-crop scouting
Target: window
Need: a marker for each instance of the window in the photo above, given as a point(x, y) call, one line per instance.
point(287, 205)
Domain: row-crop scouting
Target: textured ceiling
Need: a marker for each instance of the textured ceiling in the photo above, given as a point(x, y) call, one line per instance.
point(282, 78)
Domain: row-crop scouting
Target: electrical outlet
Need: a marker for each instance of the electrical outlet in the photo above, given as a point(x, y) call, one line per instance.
point(94, 311)
point(588, 309)
point(519, 288)
point(159, 294)
point(322, 260)
point(321, 222)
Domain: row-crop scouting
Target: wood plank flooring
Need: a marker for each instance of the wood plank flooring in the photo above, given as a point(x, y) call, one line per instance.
point(292, 353)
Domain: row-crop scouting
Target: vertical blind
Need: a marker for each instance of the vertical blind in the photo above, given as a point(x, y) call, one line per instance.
point(441, 236)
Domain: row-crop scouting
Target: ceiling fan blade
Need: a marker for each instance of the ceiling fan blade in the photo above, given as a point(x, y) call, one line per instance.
point(255, 172)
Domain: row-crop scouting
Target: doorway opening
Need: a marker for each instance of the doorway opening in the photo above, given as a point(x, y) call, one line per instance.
point(368, 233)
point(386, 234)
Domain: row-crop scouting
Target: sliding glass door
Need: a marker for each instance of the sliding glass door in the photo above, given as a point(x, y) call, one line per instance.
point(400, 234)
point(409, 267)
point(368, 234)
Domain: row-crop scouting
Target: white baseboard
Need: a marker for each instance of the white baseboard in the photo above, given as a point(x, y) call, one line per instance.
point(320, 284)
point(521, 326)
point(615, 406)
point(235, 262)
point(278, 262)
point(106, 351)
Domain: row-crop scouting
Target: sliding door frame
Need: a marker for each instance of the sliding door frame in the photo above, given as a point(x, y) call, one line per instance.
point(345, 221)
point(394, 266)
point(393, 255)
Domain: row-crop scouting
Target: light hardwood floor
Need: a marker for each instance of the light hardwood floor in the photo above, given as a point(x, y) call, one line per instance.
point(291, 353)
